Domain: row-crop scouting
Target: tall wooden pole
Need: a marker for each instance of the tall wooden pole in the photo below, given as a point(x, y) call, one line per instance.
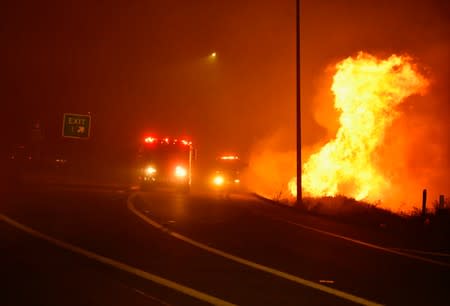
point(298, 107)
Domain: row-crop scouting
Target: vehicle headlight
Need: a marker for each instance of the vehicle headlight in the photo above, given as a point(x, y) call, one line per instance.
point(218, 180)
point(237, 181)
point(150, 170)
point(180, 171)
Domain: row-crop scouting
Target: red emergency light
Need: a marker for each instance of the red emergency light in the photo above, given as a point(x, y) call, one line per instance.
point(150, 140)
point(167, 140)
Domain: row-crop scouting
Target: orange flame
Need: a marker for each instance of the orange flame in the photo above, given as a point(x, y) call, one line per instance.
point(367, 91)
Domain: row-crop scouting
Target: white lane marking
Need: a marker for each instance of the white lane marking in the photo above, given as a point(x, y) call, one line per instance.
point(290, 277)
point(144, 294)
point(397, 251)
point(150, 297)
point(438, 254)
point(117, 264)
point(366, 244)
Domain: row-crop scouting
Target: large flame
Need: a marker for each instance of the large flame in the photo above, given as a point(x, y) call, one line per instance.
point(367, 91)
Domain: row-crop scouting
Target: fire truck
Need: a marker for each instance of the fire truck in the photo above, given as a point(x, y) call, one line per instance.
point(165, 162)
point(226, 178)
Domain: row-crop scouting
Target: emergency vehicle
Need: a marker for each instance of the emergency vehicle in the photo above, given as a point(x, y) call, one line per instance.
point(165, 162)
point(227, 174)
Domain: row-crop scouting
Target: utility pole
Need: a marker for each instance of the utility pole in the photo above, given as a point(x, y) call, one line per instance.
point(298, 109)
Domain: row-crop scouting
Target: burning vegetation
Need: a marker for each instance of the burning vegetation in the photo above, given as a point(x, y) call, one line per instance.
point(383, 149)
point(367, 92)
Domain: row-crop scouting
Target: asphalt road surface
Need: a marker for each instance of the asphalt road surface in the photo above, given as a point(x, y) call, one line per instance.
point(91, 246)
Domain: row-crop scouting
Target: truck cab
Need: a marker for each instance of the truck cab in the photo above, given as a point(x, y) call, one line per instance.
point(165, 162)
point(226, 178)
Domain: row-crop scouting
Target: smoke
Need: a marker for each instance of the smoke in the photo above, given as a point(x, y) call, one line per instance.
point(270, 167)
point(416, 152)
point(273, 158)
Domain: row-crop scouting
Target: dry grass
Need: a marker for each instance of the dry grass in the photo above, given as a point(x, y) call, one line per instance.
point(348, 210)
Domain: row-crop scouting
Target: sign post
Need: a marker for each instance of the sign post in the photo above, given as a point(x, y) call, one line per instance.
point(76, 126)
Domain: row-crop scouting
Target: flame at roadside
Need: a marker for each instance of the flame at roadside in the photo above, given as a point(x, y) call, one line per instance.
point(367, 92)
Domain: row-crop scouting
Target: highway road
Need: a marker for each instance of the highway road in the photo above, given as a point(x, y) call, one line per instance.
point(114, 246)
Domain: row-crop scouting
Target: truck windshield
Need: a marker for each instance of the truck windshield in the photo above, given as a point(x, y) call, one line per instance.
point(163, 153)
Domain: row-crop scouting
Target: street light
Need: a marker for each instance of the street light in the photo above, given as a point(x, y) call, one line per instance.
point(213, 55)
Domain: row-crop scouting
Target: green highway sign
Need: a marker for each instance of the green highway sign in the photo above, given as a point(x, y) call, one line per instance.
point(76, 126)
